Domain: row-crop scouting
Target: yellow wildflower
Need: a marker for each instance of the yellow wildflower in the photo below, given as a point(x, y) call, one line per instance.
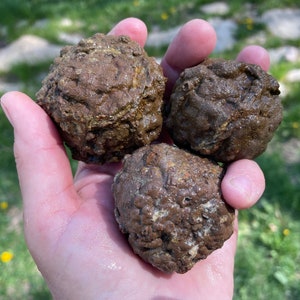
point(295, 125)
point(249, 23)
point(136, 3)
point(164, 16)
point(6, 256)
point(286, 232)
point(3, 205)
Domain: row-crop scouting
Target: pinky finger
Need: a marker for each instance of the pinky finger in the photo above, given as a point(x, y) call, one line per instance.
point(255, 55)
point(243, 184)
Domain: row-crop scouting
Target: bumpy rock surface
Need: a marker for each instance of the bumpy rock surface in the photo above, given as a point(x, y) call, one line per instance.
point(105, 96)
point(169, 204)
point(227, 110)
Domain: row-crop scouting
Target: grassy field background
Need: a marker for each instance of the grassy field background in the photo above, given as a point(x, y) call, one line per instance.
point(268, 257)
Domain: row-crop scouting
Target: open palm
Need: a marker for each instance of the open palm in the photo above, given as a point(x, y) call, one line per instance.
point(69, 223)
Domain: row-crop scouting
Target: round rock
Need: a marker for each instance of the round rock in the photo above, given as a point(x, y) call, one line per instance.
point(105, 96)
point(169, 204)
point(226, 110)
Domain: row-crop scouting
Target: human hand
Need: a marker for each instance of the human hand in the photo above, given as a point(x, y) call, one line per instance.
point(69, 223)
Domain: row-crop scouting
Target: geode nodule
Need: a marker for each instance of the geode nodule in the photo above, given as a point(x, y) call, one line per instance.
point(169, 204)
point(226, 110)
point(105, 95)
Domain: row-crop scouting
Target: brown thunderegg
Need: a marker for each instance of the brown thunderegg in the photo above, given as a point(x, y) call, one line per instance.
point(169, 204)
point(105, 96)
point(226, 110)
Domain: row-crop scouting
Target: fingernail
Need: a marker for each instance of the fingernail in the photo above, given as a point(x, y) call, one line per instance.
point(243, 186)
point(2, 101)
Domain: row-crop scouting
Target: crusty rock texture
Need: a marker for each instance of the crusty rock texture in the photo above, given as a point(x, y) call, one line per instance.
point(168, 202)
point(105, 96)
point(226, 110)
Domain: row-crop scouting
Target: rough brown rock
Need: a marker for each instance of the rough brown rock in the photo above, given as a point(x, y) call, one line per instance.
point(105, 96)
point(227, 110)
point(169, 204)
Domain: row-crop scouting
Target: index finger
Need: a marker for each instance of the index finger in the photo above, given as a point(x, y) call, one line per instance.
point(255, 55)
point(193, 43)
point(132, 27)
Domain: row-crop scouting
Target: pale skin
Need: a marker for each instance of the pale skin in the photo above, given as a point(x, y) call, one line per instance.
point(68, 222)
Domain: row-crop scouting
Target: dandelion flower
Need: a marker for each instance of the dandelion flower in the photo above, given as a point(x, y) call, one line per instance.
point(286, 232)
point(6, 256)
point(164, 16)
point(3, 205)
point(136, 3)
point(249, 23)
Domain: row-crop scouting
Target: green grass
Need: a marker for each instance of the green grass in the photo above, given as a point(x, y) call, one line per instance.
point(19, 278)
point(268, 256)
point(89, 16)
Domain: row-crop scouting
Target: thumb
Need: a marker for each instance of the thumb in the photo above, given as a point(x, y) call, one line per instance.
point(43, 167)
